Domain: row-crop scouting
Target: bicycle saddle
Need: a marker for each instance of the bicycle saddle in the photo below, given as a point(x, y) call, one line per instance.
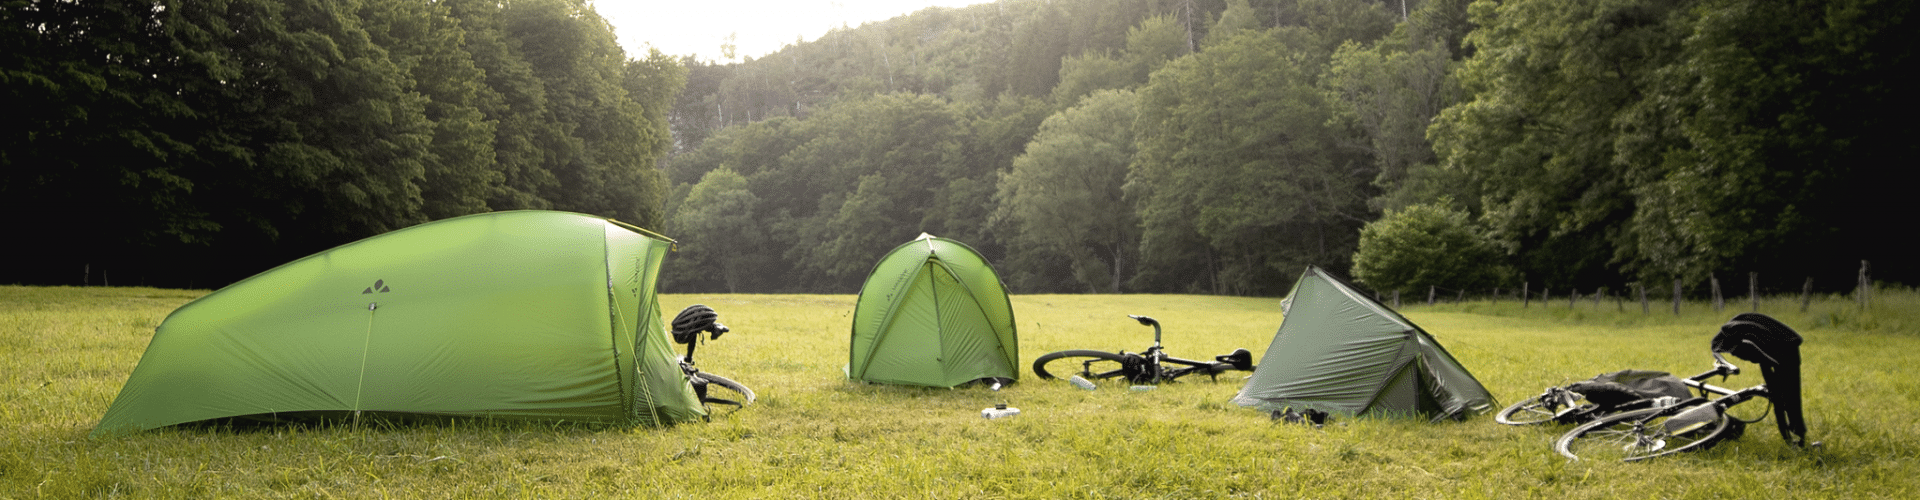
point(1239, 358)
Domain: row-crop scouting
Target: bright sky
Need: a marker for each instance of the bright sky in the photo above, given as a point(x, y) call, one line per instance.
point(762, 26)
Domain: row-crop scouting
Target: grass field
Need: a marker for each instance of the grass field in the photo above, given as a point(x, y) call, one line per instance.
point(66, 351)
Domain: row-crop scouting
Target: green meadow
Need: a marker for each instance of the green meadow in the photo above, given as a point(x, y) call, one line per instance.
point(65, 352)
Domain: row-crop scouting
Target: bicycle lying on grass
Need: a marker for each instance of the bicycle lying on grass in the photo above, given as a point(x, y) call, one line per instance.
point(1150, 367)
point(687, 327)
point(1699, 423)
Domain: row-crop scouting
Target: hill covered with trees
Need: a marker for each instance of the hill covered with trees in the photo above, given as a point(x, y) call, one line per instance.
point(1153, 146)
point(1216, 147)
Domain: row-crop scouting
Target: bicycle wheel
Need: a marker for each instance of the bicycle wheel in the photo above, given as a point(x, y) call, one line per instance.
point(746, 395)
point(1087, 364)
point(1556, 405)
point(1643, 434)
point(1528, 412)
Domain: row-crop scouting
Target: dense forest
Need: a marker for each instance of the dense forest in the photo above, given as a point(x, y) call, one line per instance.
point(1105, 146)
point(194, 143)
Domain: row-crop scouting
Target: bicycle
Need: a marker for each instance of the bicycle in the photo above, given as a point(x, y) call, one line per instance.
point(1150, 367)
point(1606, 394)
point(1700, 423)
point(687, 327)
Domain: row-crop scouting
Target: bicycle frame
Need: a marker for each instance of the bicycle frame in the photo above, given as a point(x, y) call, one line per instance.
point(1728, 397)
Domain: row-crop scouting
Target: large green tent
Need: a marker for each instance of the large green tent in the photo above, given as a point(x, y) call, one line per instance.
point(1339, 351)
point(511, 315)
point(933, 313)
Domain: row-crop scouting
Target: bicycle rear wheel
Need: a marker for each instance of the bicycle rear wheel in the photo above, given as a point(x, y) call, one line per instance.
point(1643, 434)
point(1092, 365)
point(1540, 409)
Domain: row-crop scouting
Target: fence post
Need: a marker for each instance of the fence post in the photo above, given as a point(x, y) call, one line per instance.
point(1753, 289)
point(1496, 295)
point(1718, 303)
point(1598, 293)
point(1430, 290)
point(1573, 296)
point(1526, 294)
point(1865, 287)
point(1462, 297)
point(1676, 297)
point(1806, 294)
point(1396, 299)
point(1645, 308)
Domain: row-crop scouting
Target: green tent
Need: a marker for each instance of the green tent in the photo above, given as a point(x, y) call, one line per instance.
point(512, 315)
point(933, 313)
point(1339, 351)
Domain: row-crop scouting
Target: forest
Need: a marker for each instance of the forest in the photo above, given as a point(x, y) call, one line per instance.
point(1083, 146)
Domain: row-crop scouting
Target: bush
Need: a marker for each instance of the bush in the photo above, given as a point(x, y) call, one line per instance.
point(1426, 245)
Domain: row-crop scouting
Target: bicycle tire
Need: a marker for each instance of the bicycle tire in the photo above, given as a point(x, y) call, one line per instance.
point(1108, 364)
point(1641, 434)
point(1531, 411)
point(746, 394)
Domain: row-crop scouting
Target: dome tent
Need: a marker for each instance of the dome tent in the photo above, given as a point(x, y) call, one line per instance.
point(1339, 351)
point(515, 315)
point(933, 313)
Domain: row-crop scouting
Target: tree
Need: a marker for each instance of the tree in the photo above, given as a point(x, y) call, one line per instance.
point(102, 133)
point(1390, 96)
point(1235, 153)
point(1426, 245)
point(1546, 91)
point(1074, 168)
point(429, 45)
point(718, 236)
point(1763, 145)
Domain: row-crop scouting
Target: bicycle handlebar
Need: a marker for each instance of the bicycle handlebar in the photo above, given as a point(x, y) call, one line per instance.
point(1147, 321)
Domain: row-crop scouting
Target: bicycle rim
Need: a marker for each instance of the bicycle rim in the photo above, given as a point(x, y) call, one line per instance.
point(1529, 412)
point(1092, 365)
point(1638, 435)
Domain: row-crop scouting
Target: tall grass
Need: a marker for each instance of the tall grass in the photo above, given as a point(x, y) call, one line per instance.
point(66, 351)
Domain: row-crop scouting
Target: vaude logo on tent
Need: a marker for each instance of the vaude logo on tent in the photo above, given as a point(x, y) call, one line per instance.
point(378, 286)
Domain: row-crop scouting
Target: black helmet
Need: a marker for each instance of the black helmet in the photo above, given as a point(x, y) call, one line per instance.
point(695, 319)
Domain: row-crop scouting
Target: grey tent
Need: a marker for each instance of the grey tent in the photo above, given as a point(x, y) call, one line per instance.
point(1339, 351)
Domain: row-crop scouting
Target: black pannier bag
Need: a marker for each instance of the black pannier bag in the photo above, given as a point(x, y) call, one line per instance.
point(1613, 390)
point(1762, 340)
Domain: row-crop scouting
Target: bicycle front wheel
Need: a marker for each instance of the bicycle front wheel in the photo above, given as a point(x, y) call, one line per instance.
point(745, 394)
point(1092, 365)
point(1643, 434)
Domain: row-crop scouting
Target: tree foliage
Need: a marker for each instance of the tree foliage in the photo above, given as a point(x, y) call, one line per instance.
point(1659, 140)
point(1109, 145)
point(220, 138)
point(1075, 168)
point(1235, 154)
point(1423, 246)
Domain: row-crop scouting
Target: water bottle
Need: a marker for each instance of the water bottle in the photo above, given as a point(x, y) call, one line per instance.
point(998, 411)
point(1081, 383)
